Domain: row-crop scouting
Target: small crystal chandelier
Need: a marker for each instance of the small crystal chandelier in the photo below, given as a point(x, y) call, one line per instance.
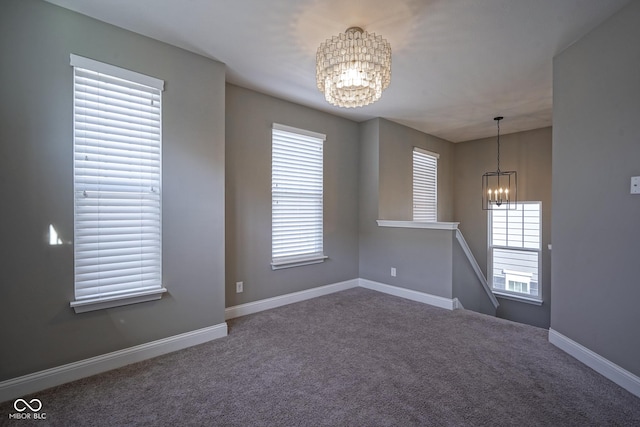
point(499, 188)
point(353, 68)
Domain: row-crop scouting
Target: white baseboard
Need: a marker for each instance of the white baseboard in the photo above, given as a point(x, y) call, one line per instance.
point(434, 300)
point(37, 381)
point(604, 367)
point(279, 301)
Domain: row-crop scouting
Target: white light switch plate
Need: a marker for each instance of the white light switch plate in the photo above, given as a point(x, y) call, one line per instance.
point(635, 185)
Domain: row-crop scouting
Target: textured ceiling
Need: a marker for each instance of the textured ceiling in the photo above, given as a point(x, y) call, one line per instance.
point(455, 63)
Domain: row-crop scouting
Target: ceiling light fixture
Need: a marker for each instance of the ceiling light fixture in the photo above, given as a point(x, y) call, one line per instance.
point(353, 68)
point(499, 188)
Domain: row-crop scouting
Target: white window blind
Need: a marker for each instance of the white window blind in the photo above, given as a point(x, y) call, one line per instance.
point(515, 246)
point(297, 193)
point(425, 185)
point(117, 186)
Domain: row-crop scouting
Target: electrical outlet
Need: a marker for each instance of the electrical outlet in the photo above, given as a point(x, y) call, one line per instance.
point(239, 287)
point(635, 185)
point(393, 272)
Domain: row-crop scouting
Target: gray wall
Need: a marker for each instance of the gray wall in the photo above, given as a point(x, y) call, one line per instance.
point(396, 171)
point(529, 153)
point(368, 177)
point(422, 257)
point(596, 149)
point(466, 285)
point(368, 189)
point(249, 119)
point(38, 328)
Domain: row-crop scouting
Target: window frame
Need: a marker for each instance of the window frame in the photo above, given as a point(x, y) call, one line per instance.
point(89, 294)
point(506, 293)
point(280, 257)
point(424, 186)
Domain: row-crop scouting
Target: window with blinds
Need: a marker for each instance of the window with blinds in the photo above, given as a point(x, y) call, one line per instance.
point(117, 186)
point(296, 197)
point(425, 185)
point(515, 249)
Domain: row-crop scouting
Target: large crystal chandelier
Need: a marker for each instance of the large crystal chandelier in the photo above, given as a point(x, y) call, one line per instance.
point(353, 68)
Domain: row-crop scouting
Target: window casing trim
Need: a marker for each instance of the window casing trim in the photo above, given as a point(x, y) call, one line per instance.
point(85, 298)
point(517, 297)
point(304, 132)
point(112, 70)
point(84, 306)
point(424, 183)
point(288, 262)
point(505, 293)
point(297, 179)
point(427, 152)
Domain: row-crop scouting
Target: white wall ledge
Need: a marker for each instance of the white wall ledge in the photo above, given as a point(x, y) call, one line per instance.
point(418, 224)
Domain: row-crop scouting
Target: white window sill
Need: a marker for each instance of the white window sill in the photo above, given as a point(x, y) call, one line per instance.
point(110, 302)
point(519, 298)
point(418, 224)
point(297, 261)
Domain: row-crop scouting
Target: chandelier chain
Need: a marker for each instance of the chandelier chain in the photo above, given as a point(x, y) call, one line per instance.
point(498, 123)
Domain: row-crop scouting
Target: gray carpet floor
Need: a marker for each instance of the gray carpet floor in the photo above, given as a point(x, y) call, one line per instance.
point(354, 358)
